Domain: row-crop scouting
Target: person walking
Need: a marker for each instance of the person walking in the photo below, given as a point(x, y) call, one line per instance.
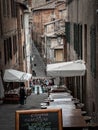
point(22, 94)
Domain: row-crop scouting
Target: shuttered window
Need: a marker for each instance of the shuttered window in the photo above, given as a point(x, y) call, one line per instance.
point(5, 52)
point(67, 31)
point(13, 8)
point(10, 48)
point(78, 39)
point(7, 49)
point(93, 49)
point(6, 8)
point(14, 44)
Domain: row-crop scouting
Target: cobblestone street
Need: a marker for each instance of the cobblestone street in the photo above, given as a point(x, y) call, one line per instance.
point(7, 111)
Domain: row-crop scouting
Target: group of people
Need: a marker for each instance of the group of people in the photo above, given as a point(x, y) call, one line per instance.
point(44, 83)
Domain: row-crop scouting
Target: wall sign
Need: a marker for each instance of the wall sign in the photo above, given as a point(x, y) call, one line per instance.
point(39, 119)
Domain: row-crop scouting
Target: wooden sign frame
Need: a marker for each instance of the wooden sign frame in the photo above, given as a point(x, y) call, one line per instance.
point(39, 111)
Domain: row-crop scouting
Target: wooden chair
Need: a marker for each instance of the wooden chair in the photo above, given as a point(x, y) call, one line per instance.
point(80, 105)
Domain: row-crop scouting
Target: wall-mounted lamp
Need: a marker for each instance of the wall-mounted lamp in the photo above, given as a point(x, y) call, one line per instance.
point(59, 40)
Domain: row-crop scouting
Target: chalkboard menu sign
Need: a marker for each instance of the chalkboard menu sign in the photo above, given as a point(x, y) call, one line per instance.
point(39, 119)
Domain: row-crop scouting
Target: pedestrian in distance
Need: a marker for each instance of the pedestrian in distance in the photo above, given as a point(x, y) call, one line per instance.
point(22, 94)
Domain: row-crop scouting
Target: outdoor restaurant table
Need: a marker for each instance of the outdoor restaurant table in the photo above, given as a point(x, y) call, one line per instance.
point(71, 112)
point(72, 118)
point(60, 96)
point(74, 122)
point(62, 104)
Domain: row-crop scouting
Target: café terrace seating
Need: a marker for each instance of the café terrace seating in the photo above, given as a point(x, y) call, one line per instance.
point(71, 115)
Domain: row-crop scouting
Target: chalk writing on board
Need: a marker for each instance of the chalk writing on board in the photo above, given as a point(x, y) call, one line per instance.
point(39, 121)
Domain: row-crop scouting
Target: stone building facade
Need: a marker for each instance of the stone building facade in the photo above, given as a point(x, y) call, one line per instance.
point(42, 15)
point(12, 32)
point(82, 38)
point(12, 35)
point(8, 35)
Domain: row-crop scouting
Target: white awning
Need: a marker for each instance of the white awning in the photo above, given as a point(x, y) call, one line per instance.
point(27, 76)
point(66, 69)
point(12, 75)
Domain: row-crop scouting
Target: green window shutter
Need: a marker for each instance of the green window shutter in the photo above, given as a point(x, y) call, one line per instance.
point(80, 41)
point(93, 49)
point(76, 38)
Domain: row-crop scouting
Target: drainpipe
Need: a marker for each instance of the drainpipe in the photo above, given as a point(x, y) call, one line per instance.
point(77, 10)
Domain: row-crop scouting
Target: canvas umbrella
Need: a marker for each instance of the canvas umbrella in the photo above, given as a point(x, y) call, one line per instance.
point(66, 69)
point(12, 75)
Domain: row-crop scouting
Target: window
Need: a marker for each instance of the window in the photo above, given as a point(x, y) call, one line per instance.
point(22, 21)
point(78, 39)
point(8, 7)
point(24, 52)
point(7, 49)
point(85, 42)
point(4, 8)
point(5, 52)
point(14, 44)
point(93, 49)
point(10, 48)
point(13, 8)
point(67, 31)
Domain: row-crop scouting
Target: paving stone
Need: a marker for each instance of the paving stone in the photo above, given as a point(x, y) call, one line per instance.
point(7, 111)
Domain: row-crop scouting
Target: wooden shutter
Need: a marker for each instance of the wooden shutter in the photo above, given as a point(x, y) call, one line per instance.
point(93, 49)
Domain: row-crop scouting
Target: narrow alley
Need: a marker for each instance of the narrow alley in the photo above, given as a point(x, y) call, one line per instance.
point(48, 52)
point(37, 62)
